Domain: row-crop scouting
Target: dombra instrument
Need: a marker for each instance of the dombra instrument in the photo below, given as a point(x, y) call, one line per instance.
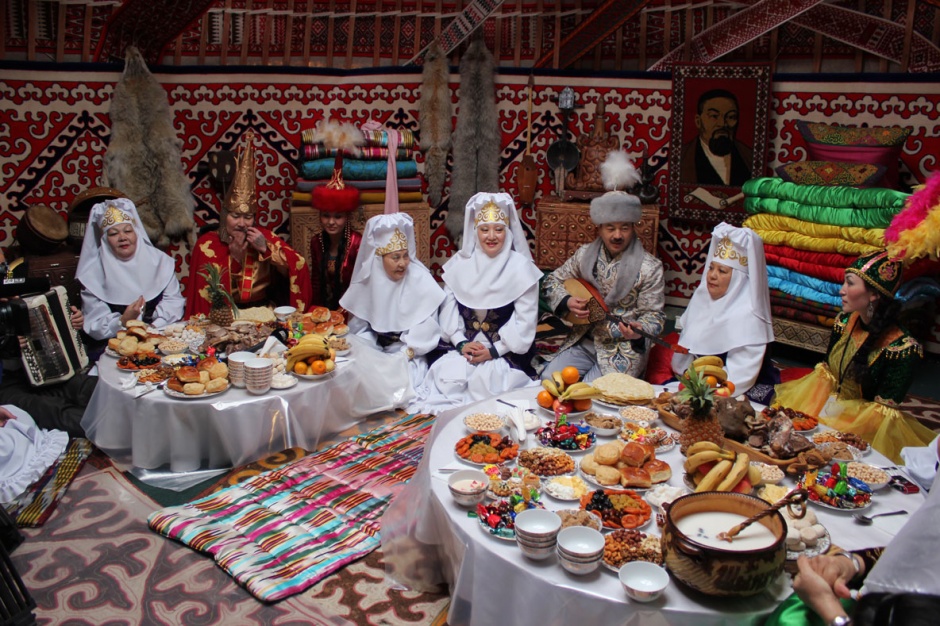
point(598, 310)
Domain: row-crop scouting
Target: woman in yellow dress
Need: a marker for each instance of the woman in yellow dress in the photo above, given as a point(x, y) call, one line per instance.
point(869, 366)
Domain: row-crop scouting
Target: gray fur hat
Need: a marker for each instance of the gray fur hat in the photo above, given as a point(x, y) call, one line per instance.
point(618, 173)
point(616, 206)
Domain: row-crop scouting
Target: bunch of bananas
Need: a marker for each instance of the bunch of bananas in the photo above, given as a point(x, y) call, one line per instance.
point(713, 366)
point(575, 391)
point(314, 346)
point(713, 468)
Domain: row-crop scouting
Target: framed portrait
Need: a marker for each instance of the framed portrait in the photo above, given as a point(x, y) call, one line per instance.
point(718, 139)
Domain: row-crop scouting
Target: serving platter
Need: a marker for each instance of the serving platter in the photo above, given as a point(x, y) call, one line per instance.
point(547, 489)
point(313, 377)
point(822, 546)
point(593, 481)
point(179, 395)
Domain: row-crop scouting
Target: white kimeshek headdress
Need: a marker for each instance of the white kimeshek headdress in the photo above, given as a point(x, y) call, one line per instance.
point(109, 278)
point(742, 316)
point(390, 306)
point(479, 281)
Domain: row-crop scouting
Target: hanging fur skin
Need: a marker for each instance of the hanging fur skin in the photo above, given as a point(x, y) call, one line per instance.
point(435, 117)
point(476, 138)
point(144, 159)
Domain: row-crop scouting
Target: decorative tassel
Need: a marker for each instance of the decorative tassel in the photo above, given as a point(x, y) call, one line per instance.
point(435, 117)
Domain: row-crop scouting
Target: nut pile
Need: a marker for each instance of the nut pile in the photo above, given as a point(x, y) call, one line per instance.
point(546, 461)
point(867, 473)
point(484, 421)
point(623, 546)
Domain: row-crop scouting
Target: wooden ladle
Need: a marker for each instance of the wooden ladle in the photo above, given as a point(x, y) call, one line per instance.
point(795, 501)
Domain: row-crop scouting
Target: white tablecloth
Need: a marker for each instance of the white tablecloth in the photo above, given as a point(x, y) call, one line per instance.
point(236, 427)
point(492, 583)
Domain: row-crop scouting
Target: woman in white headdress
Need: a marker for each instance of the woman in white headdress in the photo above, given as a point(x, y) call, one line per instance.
point(490, 307)
point(729, 313)
point(392, 297)
point(124, 277)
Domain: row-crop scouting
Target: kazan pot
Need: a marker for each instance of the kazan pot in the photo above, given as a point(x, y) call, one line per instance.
point(723, 571)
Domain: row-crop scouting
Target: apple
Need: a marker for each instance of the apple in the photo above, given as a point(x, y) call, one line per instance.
point(744, 486)
point(724, 392)
point(562, 406)
point(330, 365)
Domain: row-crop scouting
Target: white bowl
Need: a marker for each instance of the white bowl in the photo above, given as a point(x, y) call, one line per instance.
point(537, 525)
point(536, 553)
point(643, 581)
point(468, 497)
point(580, 542)
point(238, 359)
point(578, 568)
point(283, 312)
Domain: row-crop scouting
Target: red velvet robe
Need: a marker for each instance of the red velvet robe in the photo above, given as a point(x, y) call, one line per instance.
point(318, 262)
point(260, 280)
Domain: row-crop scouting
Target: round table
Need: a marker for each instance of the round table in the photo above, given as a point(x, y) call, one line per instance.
point(236, 427)
point(492, 582)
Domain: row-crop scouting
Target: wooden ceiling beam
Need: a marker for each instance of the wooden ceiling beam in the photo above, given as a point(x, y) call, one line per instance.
point(607, 18)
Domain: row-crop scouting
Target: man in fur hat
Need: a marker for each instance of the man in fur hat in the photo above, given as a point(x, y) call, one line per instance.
point(257, 267)
point(629, 279)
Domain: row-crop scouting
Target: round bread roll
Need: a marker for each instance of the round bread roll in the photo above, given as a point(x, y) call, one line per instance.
point(319, 314)
point(188, 374)
point(207, 363)
point(607, 475)
point(194, 389)
point(588, 464)
point(114, 344)
point(145, 347)
point(607, 454)
point(217, 384)
point(121, 334)
point(135, 323)
point(128, 346)
point(659, 470)
point(340, 329)
point(634, 454)
point(324, 328)
point(175, 385)
point(139, 333)
point(337, 318)
point(204, 377)
point(219, 370)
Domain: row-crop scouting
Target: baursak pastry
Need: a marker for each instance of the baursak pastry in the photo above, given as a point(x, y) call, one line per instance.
point(319, 314)
point(188, 374)
point(194, 389)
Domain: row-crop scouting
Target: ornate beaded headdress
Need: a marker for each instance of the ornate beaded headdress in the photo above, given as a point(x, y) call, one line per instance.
point(491, 213)
point(114, 216)
point(398, 242)
point(725, 251)
point(878, 270)
point(242, 199)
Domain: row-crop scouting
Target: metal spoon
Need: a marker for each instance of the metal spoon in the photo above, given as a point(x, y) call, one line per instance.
point(867, 520)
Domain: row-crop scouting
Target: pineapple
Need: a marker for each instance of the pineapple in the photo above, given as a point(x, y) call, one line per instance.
point(223, 306)
point(702, 424)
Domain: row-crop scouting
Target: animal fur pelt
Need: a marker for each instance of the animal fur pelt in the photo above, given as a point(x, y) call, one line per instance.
point(435, 117)
point(476, 138)
point(144, 159)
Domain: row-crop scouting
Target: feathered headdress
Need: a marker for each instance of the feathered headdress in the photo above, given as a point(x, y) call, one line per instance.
point(618, 174)
point(336, 196)
point(915, 231)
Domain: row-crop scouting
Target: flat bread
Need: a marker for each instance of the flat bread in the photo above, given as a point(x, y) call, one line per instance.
point(258, 314)
point(623, 388)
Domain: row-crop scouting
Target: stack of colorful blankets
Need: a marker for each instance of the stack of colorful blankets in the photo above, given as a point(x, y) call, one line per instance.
point(811, 234)
point(364, 168)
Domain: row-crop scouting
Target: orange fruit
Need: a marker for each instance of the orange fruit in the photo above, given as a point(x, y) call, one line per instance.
point(711, 381)
point(582, 405)
point(300, 368)
point(570, 375)
point(318, 367)
point(730, 386)
point(545, 399)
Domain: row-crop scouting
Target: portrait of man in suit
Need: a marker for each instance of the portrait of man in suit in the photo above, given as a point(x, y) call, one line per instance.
point(715, 156)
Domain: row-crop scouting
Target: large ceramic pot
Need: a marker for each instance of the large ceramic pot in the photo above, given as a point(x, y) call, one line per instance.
point(730, 571)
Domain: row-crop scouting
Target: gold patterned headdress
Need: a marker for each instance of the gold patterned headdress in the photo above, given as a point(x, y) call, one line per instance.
point(242, 197)
point(727, 253)
point(113, 216)
point(491, 213)
point(398, 242)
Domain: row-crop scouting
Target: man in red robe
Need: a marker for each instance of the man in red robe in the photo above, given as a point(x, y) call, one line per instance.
point(257, 267)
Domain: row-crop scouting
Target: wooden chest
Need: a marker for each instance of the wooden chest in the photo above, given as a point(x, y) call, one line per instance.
point(562, 227)
point(60, 269)
point(305, 223)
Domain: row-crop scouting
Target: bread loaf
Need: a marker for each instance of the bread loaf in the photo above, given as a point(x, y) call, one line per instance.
point(216, 385)
point(188, 374)
point(194, 389)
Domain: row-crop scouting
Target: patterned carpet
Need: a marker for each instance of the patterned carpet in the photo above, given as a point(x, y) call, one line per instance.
point(96, 562)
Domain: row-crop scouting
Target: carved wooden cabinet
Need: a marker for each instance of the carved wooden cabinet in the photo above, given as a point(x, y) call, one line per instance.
point(562, 227)
point(305, 223)
point(59, 268)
